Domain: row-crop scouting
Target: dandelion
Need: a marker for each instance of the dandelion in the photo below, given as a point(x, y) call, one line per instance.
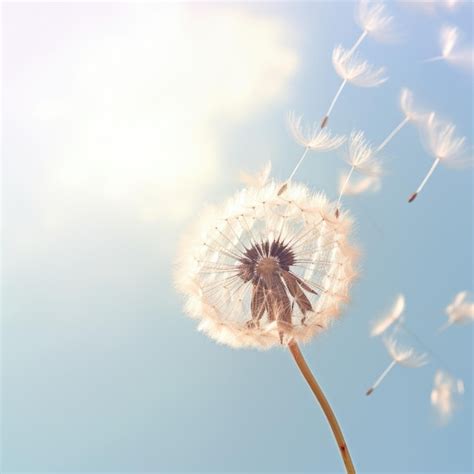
point(373, 20)
point(258, 180)
point(459, 311)
point(352, 70)
point(444, 146)
point(393, 316)
point(445, 391)
point(361, 159)
point(410, 113)
point(406, 357)
point(450, 51)
point(264, 270)
point(314, 139)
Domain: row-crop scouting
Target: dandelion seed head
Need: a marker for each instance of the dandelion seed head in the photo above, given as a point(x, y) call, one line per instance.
point(444, 395)
point(405, 356)
point(263, 268)
point(392, 316)
point(372, 18)
point(355, 70)
point(361, 155)
point(315, 137)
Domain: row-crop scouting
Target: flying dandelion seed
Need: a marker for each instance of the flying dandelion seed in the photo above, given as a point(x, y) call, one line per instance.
point(450, 50)
point(372, 18)
point(355, 71)
point(406, 357)
point(374, 21)
point(394, 315)
point(446, 390)
point(264, 270)
point(459, 311)
point(361, 158)
point(259, 179)
point(312, 139)
point(444, 146)
point(411, 115)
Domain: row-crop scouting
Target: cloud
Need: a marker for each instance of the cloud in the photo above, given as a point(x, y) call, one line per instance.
point(127, 115)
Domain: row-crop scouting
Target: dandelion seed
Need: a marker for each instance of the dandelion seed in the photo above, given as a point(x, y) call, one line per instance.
point(258, 180)
point(361, 159)
point(394, 315)
point(372, 18)
point(411, 115)
point(264, 270)
point(444, 395)
point(352, 70)
point(450, 50)
point(315, 139)
point(459, 311)
point(406, 357)
point(444, 146)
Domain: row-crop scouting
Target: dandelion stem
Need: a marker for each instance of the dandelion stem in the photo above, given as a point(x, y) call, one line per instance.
point(333, 103)
point(425, 180)
point(357, 43)
point(431, 60)
point(343, 188)
point(382, 376)
point(303, 156)
point(318, 393)
point(392, 134)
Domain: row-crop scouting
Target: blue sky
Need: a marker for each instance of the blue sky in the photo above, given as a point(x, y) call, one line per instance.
point(120, 122)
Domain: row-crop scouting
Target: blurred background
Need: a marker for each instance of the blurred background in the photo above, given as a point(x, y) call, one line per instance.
point(119, 122)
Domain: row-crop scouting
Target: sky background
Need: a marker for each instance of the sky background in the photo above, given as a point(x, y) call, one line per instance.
point(119, 122)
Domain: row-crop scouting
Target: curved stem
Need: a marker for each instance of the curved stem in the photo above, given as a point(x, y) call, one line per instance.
point(320, 397)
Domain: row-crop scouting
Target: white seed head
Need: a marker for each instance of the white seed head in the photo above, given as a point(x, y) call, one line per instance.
point(355, 70)
point(372, 18)
point(442, 143)
point(315, 138)
point(405, 356)
point(446, 390)
point(259, 179)
point(264, 268)
point(361, 155)
point(388, 319)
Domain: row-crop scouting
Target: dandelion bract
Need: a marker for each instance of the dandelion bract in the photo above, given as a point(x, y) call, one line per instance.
point(264, 268)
